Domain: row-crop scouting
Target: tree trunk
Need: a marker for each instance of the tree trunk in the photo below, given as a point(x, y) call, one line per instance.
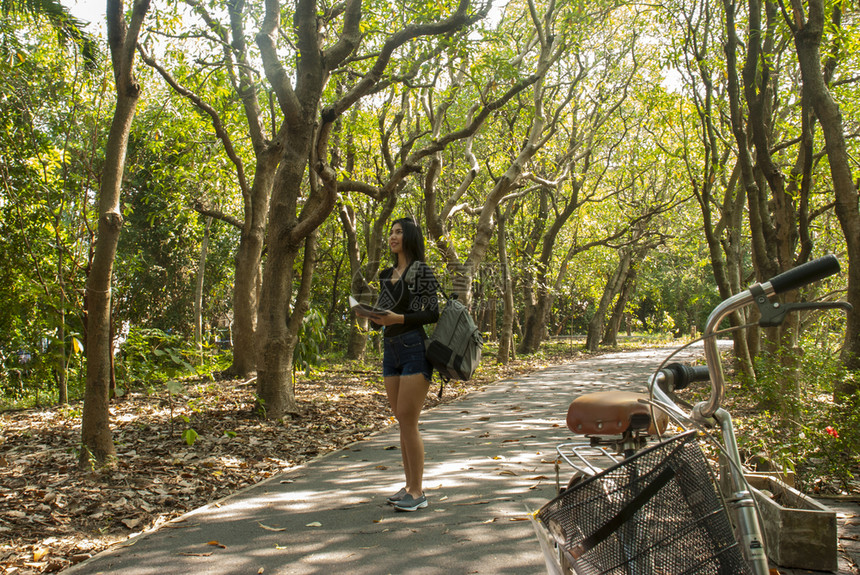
point(506, 336)
point(610, 336)
point(725, 260)
point(808, 41)
point(359, 289)
point(612, 289)
point(534, 328)
point(246, 282)
point(356, 345)
point(532, 280)
point(96, 441)
point(62, 364)
point(198, 290)
point(280, 314)
point(62, 360)
point(62, 368)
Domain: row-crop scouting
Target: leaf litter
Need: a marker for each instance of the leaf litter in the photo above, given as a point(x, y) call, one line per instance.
point(52, 515)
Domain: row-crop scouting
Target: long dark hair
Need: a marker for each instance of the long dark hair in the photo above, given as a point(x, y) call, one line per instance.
point(413, 240)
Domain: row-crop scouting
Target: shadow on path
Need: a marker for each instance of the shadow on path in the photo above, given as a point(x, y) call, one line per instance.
point(490, 460)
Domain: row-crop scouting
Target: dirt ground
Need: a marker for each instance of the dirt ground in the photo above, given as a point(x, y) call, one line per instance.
point(52, 515)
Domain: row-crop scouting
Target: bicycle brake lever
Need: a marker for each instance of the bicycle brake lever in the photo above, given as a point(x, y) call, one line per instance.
point(773, 313)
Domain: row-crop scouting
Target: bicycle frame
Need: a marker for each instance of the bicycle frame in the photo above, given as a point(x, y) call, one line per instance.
point(739, 502)
point(741, 505)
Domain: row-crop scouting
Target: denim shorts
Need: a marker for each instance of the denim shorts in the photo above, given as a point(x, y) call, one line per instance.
point(404, 355)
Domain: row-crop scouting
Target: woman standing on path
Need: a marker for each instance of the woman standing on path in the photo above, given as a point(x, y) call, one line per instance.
point(408, 290)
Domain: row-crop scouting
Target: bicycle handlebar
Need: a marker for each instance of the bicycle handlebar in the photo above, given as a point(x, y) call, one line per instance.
point(792, 279)
point(678, 376)
point(805, 274)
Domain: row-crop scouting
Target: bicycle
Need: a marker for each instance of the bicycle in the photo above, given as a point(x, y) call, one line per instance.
point(637, 506)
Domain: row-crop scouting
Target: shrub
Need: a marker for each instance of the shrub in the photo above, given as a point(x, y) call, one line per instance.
point(806, 431)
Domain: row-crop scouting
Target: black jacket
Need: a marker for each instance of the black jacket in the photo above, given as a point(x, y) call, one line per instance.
point(419, 303)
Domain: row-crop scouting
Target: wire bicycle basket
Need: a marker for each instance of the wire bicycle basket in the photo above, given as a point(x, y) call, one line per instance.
point(656, 512)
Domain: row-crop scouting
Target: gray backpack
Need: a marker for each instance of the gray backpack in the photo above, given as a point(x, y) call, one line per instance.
point(456, 345)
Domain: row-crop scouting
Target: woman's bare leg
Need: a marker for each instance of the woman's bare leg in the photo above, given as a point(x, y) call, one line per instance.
point(392, 389)
point(406, 395)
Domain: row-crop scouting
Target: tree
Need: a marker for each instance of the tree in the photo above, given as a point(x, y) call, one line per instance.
point(707, 152)
point(584, 142)
point(807, 28)
point(780, 205)
point(629, 258)
point(542, 47)
point(233, 66)
point(292, 225)
point(198, 289)
point(96, 440)
point(45, 117)
point(506, 344)
point(405, 143)
point(619, 310)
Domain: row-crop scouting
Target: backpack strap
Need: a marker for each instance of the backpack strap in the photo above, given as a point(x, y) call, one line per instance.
point(443, 379)
point(412, 273)
point(410, 276)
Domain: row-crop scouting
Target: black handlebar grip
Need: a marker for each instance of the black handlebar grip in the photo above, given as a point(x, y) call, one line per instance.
point(682, 375)
point(805, 274)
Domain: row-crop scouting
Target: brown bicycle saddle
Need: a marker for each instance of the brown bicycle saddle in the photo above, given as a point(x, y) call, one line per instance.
point(614, 413)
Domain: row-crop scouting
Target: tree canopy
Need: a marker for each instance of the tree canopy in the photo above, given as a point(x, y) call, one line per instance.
point(578, 169)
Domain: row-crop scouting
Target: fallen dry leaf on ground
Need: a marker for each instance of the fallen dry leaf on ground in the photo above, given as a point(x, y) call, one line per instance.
point(52, 515)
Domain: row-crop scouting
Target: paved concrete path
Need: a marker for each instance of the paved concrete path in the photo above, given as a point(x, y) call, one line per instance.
point(490, 460)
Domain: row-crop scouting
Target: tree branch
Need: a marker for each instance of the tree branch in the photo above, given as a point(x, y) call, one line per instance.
point(275, 72)
point(454, 22)
point(360, 187)
point(218, 215)
point(205, 108)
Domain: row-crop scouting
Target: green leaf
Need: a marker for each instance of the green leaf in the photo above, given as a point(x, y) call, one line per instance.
point(190, 436)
